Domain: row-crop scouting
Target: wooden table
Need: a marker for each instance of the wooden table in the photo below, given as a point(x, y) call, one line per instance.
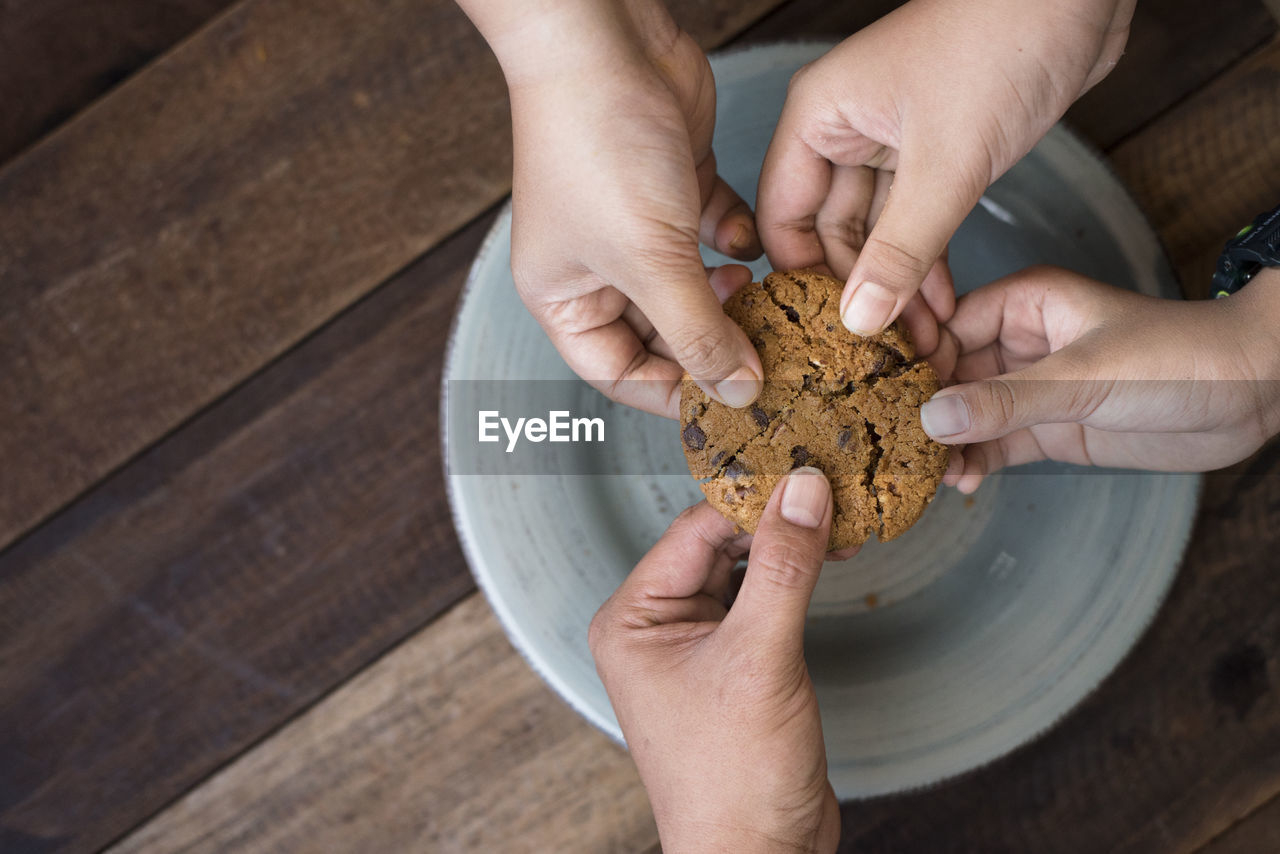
point(233, 611)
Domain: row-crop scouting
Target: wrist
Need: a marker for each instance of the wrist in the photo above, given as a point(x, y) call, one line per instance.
point(549, 40)
point(715, 837)
point(813, 833)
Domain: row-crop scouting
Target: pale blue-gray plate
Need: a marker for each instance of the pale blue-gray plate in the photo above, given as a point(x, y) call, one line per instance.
point(991, 618)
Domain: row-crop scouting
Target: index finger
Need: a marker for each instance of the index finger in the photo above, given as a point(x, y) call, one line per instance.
point(698, 546)
point(614, 361)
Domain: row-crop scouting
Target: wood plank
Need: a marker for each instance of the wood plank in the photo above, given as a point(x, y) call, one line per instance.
point(57, 56)
point(232, 574)
point(225, 202)
point(379, 765)
point(1257, 832)
point(1206, 169)
point(1175, 47)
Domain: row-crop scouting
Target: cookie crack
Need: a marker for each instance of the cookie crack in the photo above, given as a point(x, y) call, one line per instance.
point(899, 364)
point(791, 312)
point(724, 464)
point(873, 468)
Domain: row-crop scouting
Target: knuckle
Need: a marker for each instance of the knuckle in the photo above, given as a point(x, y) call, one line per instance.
point(1039, 272)
point(1085, 397)
point(897, 262)
point(687, 518)
point(598, 632)
point(785, 562)
point(997, 402)
point(797, 80)
point(705, 353)
point(851, 232)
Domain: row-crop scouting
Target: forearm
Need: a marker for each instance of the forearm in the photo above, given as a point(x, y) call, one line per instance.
point(536, 38)
point(751, 833)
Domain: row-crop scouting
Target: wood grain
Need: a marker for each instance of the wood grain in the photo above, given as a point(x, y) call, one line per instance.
point(1206, 169)
point(1174, 47)
point(57, 56)
point(1253, 834)
point(226, 201)
point(376, 766)
point(232, 574)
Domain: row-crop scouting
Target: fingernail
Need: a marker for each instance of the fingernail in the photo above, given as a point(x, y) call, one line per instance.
point(945, 416)
point(868, 310)
point(742, 238)
point(739, 388)
point(804, 497)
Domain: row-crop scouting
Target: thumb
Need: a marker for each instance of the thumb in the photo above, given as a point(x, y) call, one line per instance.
point(786, 556)
point(927, 202)
point(703, 340)
point(1054, 390)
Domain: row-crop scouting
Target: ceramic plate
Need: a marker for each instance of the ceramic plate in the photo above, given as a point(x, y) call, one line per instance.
point(932, 654)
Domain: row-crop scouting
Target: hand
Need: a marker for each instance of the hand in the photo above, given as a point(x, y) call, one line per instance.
point(1055, 365)
point(938, 99)
point(717, 707)
point(615, 183)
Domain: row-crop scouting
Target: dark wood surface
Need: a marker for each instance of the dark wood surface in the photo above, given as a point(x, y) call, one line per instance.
point(272, 525)
point(182, 609)
point(57, 56)
point(1207, 168)
point(240, 192)
point(376, 766)
point(1255, 833)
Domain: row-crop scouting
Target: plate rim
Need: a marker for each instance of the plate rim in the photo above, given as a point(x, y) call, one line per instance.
point(521, 640)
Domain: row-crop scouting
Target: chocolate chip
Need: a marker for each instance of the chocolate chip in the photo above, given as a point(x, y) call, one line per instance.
point(843, 439)
point(878, 365)
point(792, 314)
point(800, 454)
point(735, 469)
point(718, 458)
point(694, 438)
point(761, 417)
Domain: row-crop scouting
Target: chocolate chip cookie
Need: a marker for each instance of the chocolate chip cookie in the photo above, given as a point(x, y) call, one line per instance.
point(844, 404)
